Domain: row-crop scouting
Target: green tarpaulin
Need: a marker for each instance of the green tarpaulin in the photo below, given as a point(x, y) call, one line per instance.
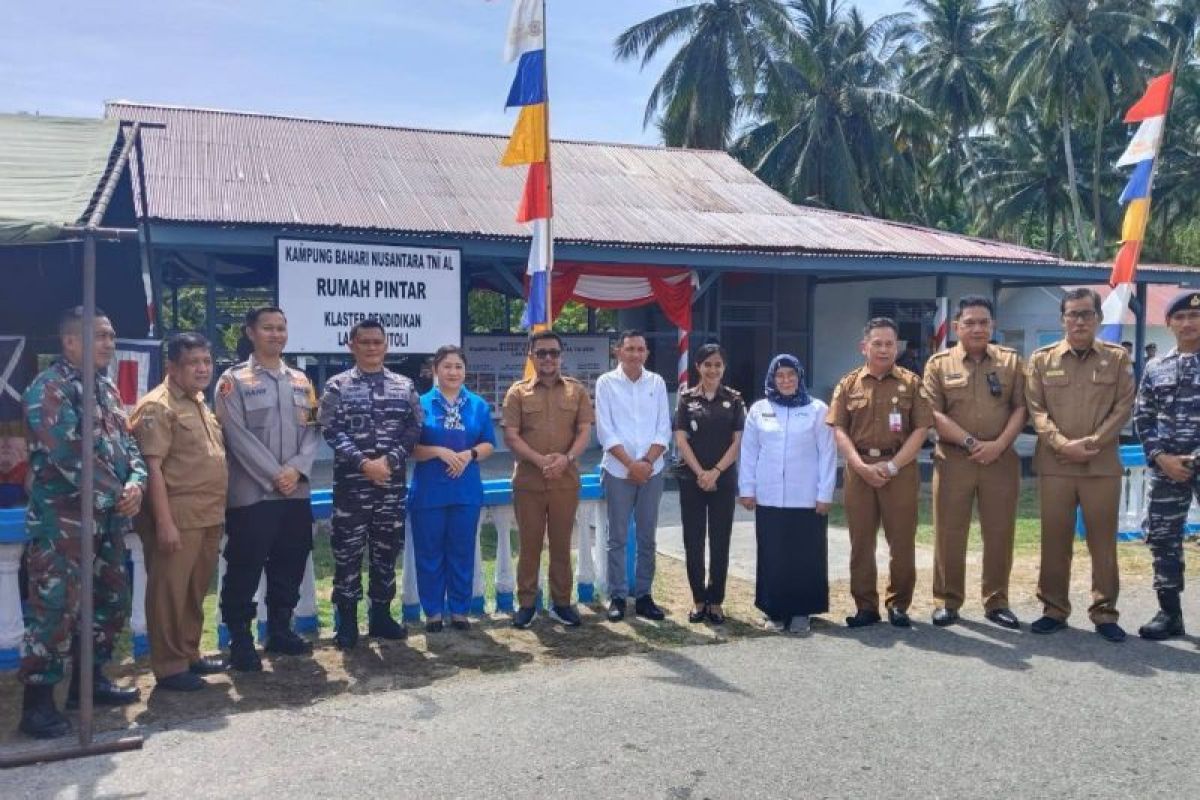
point(50, 167)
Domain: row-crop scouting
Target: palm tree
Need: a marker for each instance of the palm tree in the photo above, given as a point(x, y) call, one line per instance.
point(1069, 48)
point(827, 96)
point(696, 99)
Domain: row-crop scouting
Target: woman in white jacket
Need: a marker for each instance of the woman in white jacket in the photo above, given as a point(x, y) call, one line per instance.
point(788, 468)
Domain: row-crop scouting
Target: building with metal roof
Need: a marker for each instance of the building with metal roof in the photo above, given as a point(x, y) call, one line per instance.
point(223, 188)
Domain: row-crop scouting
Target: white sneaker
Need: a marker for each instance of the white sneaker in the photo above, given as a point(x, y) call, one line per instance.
point(772, 626)
point(800, 625)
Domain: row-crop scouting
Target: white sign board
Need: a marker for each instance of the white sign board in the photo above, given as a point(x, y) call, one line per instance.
point(327, 287)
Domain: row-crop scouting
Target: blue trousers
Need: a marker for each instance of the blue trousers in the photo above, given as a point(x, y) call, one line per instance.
point(444, 542)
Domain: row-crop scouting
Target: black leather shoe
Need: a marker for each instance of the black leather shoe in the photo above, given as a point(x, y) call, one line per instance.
point(381, 625)
point(281, 638)
point(524, 617)
point(646, 608)
point(104, 691)
point(899, 618)
point(616, 609)
point(186, 681)
point(945, 616)
point(460, 624)
point(208, 665)
point(40, 718)
point(435, 625)
point(1111, 632)
point(1164, 625)
point(1047, 625)
point(696, 617)
point(243, 656)
point(1168, 621)
point(863, 618)
point(716, 617)
point(1004, 617)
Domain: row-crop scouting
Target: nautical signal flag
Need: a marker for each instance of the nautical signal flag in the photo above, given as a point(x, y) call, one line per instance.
point(527, 145)
point(1151, 112)
point(529, 84)
point(526, 29)
point(1154, 102)
point(536, 202)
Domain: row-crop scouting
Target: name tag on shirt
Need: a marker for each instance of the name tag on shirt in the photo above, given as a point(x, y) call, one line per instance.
point(895, 422)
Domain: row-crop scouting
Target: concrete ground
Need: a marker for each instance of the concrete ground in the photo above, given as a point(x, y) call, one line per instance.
point(968, 711)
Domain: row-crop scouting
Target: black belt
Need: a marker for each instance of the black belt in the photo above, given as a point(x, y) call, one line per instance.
point(875, 452)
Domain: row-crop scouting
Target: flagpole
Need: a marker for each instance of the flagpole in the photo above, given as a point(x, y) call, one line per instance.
point(549, 243)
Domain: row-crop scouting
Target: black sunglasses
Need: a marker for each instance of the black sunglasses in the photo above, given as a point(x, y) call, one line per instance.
point(547, 353)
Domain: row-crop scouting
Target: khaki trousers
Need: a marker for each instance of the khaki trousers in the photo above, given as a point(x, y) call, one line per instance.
point(176, 584)
point(958, 484)
point(895, 504)
point(543, 515)
point(1100, 499)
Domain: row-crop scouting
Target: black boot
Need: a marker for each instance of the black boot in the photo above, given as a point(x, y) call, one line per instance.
point(346, 636)
point(280, 636)
point(104, 691)
point(1168, 621)
point(242, 655)
point(381, 625)
point(39, 716)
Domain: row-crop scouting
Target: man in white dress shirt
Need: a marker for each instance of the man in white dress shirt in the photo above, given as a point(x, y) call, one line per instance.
point(633, 423)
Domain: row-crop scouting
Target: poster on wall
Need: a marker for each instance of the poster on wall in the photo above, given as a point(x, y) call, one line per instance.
point(14, 457)
point(494, 363)
point(327, 287)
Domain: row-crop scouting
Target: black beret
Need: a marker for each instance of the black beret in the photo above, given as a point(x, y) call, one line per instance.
point(1184, 300)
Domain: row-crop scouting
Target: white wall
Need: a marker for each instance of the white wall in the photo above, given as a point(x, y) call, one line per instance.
point(841, 311)
point(1037, 309)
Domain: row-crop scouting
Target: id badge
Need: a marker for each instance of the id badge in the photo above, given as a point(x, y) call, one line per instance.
point(895, 422)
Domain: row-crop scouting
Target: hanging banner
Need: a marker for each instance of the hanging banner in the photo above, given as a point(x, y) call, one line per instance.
point(494, 363)
point(325, 288)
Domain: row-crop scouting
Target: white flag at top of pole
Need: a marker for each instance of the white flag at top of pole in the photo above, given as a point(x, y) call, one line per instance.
point(526, 29)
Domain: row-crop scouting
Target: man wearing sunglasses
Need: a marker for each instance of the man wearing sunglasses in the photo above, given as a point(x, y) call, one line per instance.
point(1080, 392)
point(977, 390)
point(547, 423)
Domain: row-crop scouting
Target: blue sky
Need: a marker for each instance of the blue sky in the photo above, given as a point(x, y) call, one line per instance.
point(419, 63)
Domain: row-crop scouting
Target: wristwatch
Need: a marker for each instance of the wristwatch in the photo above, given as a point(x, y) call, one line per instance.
point(969, 442)
point(892, 469)
point(474, 454)
point(571, 459)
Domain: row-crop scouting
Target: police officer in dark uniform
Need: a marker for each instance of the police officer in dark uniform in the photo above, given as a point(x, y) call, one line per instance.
point(1167, 421)
point(371, 417)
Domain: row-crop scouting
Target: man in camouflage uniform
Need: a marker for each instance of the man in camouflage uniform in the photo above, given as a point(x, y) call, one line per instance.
point(268, 413)
point(1167, 421)
point(53, 415)
point(371, 417)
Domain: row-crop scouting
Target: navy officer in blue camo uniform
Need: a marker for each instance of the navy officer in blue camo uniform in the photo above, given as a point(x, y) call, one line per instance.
point(1167, 420)
point(371, 417)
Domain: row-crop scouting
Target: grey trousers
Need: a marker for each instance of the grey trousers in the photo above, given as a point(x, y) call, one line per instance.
point(625, 499)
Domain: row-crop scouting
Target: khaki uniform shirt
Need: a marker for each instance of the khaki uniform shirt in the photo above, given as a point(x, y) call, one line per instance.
point(547, 418)
point(978, 395)
point(1079, 398)
point(862, 405)
point(270, 422)
point(179, 429)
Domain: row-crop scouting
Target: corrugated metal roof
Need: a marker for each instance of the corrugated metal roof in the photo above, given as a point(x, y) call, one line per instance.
point(239, 168)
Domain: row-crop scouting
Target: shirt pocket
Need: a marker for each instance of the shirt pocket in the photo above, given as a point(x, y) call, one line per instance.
point(857, 402)
point(258, 410)
point(305, 412)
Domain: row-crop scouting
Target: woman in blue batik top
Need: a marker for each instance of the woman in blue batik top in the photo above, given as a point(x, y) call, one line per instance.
point(447, 490)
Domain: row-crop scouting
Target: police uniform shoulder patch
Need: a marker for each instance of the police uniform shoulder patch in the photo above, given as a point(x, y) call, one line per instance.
point(734, 393)
point(225, 386)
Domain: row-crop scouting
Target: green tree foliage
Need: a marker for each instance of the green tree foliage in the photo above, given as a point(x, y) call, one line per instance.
point(999, 119)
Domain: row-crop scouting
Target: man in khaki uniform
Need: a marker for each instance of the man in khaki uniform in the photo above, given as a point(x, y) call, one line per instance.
point(1080, 392)
point(977, 391)
point(181, 531)
point(547, 423)
point(881, 418)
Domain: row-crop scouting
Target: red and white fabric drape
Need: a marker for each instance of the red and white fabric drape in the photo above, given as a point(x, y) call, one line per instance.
point(630, 286)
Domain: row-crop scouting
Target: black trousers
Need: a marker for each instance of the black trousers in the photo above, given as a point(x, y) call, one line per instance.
point(707, 514)
point(275, 535)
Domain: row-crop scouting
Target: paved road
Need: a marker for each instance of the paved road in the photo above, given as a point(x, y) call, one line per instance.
point(972, 711)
